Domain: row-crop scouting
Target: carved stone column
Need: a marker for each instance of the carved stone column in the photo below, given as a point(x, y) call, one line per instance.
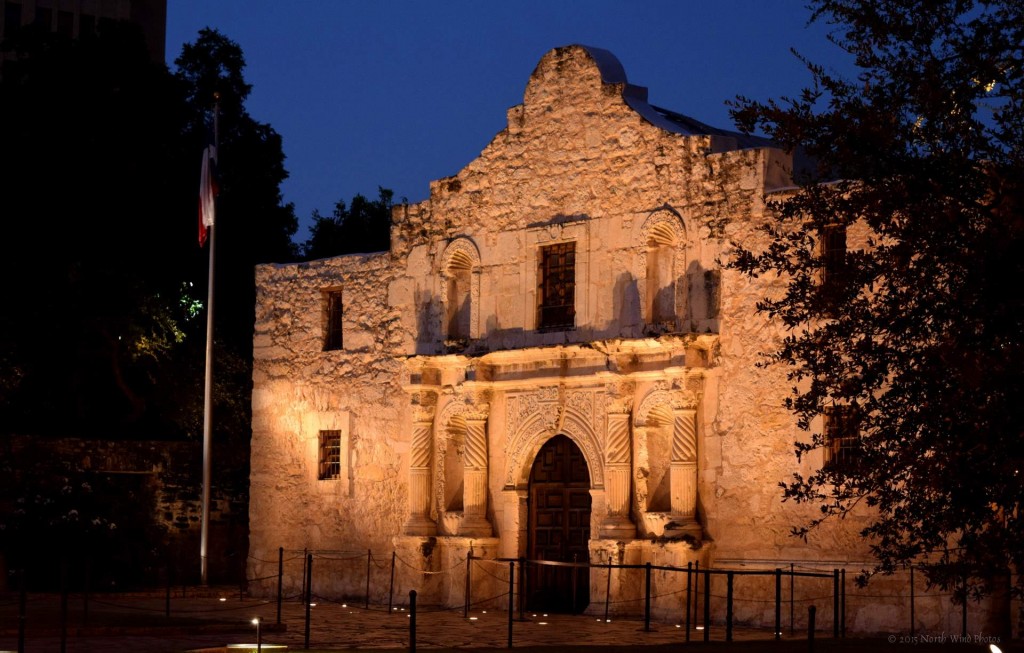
point(474, 497)
point(684, 462)
point(618, 458)
point(419, 522)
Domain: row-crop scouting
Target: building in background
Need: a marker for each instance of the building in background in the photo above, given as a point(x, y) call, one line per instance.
point(81, 18)
point(551, 363)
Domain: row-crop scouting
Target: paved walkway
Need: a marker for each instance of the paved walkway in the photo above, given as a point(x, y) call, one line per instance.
point(138, 623)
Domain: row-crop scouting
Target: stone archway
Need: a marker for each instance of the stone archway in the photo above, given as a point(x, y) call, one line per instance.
point(559, 527)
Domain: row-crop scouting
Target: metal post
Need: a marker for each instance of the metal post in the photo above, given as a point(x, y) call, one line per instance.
point(575, 578)
point(167, 598)
point(608, 589)
point(911, 599)
point(305, 555)
point(835, 604)
point(63, 604)
point(309, 593)
point(259, 635)
point(792, 600)
point(778, 603)
point(728, 606)
point(412, 621)
point(511, 598)
point(369, 560)
point(842, 603)
point(707, 605)
point(391, 587)
point(85, 597)
point(522, 587)
point(647, 597)
point(280, 579)
point(465, 595)
point(22, 610)
point(696, 592)
point(810, 628)
point(689, 581)
point(204, 531)
point(963, 618)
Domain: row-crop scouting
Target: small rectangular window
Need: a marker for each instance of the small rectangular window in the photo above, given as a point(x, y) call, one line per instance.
point(330, 455)
point(556, 287)
point(842, 437)
point(333, 314)
point(833, 258)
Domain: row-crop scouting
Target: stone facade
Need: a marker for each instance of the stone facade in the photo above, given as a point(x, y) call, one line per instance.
point(453, 375)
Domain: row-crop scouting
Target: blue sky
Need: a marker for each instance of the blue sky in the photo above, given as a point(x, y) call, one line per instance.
point(397, 93)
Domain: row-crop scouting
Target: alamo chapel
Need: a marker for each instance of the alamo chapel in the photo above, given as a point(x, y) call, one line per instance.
point(550, 363)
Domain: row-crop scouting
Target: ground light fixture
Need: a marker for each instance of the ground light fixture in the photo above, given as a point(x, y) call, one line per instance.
point(259, 635)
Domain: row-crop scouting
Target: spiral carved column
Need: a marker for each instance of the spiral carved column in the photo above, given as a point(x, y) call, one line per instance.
point(684, 462)
point(474, 522)
point(618, 474)
point(419, 522)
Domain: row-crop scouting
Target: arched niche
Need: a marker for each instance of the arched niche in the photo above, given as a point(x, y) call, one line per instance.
point(662, 271)
point(460, 297)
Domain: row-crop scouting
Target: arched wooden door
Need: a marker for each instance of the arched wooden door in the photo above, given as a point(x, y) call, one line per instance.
point(559, 516)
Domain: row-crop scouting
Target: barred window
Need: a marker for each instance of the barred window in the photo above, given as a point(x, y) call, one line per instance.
point(833, 258)
point(333, 314)
point(556, 287)
point(330, 455)
point(842, 437)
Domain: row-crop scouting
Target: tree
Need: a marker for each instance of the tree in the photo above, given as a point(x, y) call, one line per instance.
point(918, 333)
point(94, 311)
point(365, 227)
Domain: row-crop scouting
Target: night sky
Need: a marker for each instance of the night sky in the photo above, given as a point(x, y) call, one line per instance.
point(397, 93)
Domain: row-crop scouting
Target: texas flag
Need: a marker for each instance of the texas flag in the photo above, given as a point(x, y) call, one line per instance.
point(207, 192)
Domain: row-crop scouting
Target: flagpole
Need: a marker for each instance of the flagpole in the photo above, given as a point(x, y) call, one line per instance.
point(204, 534)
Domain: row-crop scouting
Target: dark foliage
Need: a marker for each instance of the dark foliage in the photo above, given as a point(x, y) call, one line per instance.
point(922, 333)
point(365, 227)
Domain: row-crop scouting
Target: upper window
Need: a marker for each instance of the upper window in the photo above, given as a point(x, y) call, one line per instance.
point(842, 437)
point(330, 455)
point(333, 320)
point(556, 287)
point(833, 258)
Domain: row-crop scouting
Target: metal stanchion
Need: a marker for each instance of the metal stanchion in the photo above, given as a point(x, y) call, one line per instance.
point(309, 593)
point(608, 589)
point(728, 606)
point(391, 587)
point(811, 611)
point(835, 604)
point(647, 597)
point(369, 561)
point(280, 579)
point(778, 603)
point(689, 592)
point(707, 605)
point(412, 621)
point(511, 598)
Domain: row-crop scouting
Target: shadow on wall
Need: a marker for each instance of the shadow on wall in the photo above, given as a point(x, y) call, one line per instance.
point(626, 305)
point(428, 316)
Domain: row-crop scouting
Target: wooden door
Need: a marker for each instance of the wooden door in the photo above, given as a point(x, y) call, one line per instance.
point(559, 527)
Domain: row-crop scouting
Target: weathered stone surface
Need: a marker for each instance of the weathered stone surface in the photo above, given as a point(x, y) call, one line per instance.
point(446, 388)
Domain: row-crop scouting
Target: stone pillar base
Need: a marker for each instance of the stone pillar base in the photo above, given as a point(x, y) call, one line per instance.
point(683, 527)
point(617, 527)
point(419, 525)
point(475, 526)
